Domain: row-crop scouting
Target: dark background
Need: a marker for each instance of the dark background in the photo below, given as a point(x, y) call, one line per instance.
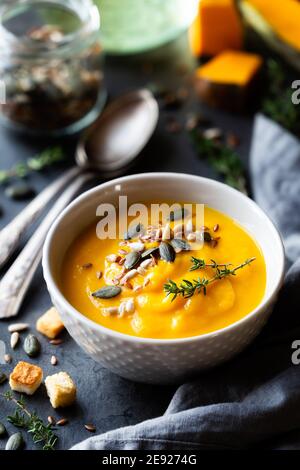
point(104, 399)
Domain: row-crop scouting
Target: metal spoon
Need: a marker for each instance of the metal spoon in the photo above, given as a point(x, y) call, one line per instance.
point(113, 141)
point(117, 148)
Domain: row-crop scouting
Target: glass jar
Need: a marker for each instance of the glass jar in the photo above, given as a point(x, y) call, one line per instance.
point(50, 65)
point(132, 26)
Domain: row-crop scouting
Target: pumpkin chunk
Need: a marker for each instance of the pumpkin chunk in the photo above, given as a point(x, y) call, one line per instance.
point(216, 28)
point(227, 80)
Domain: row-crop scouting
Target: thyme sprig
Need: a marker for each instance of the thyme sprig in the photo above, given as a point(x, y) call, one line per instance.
point(187, 288)
point(41, 433)
point(46, 158)
point(222, 159)
point(198, 263)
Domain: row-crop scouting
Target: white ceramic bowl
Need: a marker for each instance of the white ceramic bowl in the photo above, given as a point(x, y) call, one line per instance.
point(156, 360)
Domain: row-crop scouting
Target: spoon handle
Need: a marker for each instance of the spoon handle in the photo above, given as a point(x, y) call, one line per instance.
point(16, 281)
point(11, 234)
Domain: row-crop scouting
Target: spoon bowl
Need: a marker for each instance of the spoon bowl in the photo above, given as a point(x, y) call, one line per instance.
point(120, 133)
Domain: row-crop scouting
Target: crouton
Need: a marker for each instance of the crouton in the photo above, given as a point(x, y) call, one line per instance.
point(60, 389)
point(50, 323)
point(25, 378)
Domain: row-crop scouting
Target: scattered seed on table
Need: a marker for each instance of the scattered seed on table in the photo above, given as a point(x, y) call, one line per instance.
point(16, 327)
point(7, 358)
point(90, 427)
point(53, 360)
point(3, 431)
point(51, 420)
point(62, 422)
point(32, 346)
point(19, 191)
point(15, 442)
point(14, 339)
point(56, 342)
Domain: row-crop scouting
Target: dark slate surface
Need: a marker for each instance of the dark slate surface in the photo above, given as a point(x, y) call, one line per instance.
point(103, 398)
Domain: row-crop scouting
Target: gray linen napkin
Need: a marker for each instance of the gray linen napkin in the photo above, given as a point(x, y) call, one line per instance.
point(253, 400)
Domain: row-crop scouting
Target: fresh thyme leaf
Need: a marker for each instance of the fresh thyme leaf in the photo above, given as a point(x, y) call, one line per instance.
point(46, 158)
point(40, 432)
point(188, 288)
point(198, 263)
point(223, 159)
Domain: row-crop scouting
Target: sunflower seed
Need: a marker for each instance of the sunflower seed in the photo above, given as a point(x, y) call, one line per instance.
point(137, 246)
point(56, 342)
point(32, 346)
point(7, 358)
point(132, 259)
point(112, 258)
point(51, 420)
point(90, 427)
point(122, 309)
point(129, 275)
point(14, 339)
point(191, 237)
point(146, 263)
point(15, 327)
point(62, 422)
point(53, 360)
point(166, 233)
point(141, 271)
point(130, 306)
point(87, 266)
point(107, 292)
point(189, 227)
point(110, 311)
point(146, 281)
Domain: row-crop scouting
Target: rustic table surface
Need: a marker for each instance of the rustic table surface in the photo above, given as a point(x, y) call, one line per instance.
point(104, 399)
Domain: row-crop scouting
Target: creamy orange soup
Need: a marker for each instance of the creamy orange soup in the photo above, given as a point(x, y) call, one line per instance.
point(142, 307)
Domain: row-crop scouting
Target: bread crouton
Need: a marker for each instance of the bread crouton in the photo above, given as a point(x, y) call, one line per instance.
point(50, 323)
point(26, 378)
point(60, 389)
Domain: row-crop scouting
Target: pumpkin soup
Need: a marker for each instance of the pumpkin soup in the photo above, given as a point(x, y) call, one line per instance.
point(152, 285)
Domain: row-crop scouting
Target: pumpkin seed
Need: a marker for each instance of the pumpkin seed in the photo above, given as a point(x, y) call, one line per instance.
point(3, 431)
point(15, 442)
point(167, 252)
point(150, 251)
point(134, 231)
point(179, 244)
point(178, 214)
point(19, 191)
point(107, 292)
point(132, 259)
point(32, 346)
point(3, 378)
point(207, 237)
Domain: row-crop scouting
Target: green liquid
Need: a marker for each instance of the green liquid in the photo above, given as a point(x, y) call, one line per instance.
point(130, 26)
